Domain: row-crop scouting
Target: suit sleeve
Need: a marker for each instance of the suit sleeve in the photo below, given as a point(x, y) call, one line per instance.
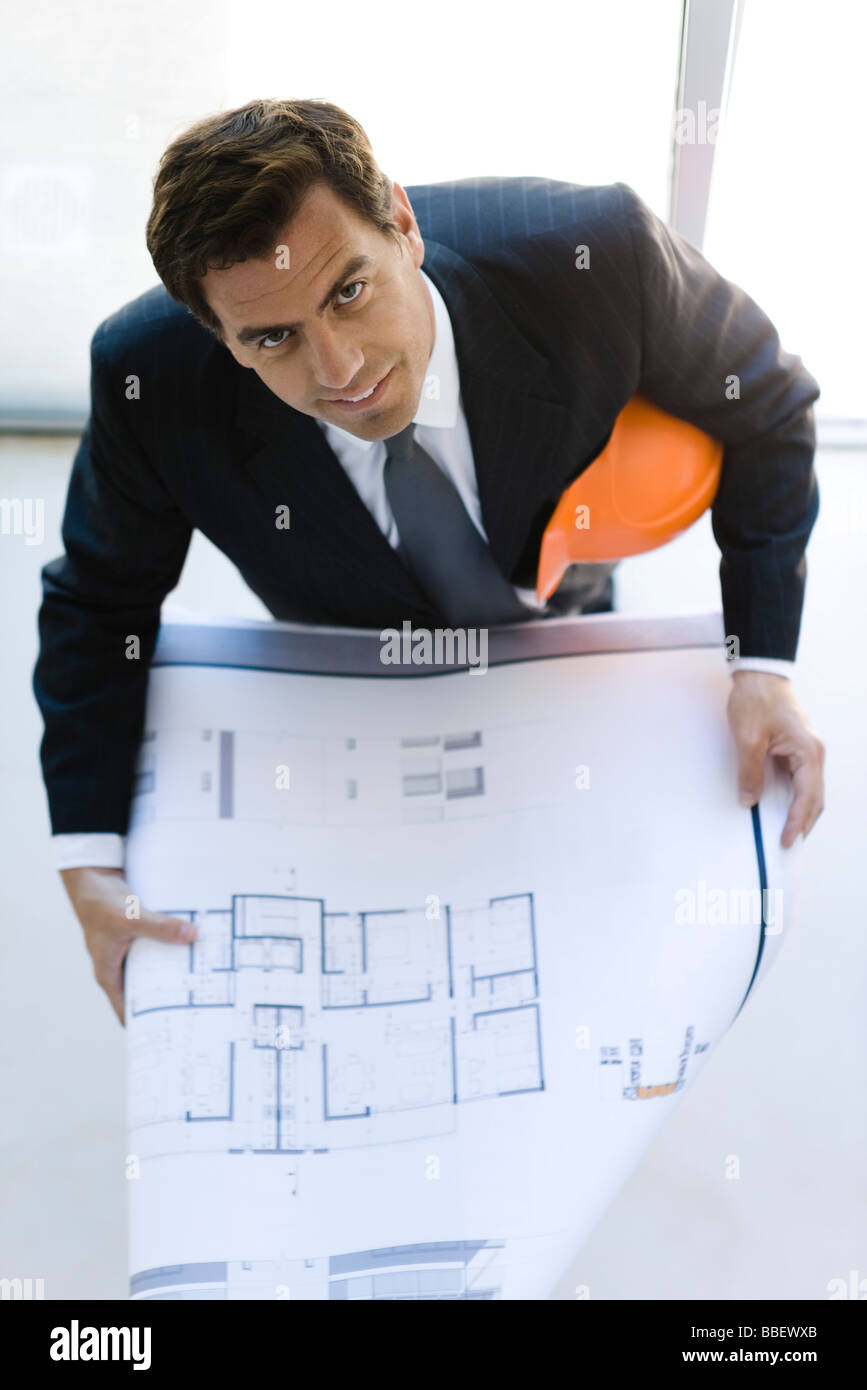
point(125, 543)
point(712, 357)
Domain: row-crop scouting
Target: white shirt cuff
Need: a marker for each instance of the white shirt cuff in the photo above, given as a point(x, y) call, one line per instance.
point(91, 850)
point(776, 666)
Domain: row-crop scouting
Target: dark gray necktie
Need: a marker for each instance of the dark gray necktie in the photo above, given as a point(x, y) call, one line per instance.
point(445, 552)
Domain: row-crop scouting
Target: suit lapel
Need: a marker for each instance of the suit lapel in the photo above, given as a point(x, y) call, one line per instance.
point(520, 440)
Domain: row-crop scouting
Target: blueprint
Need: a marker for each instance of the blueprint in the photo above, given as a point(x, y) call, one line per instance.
point(463, 939)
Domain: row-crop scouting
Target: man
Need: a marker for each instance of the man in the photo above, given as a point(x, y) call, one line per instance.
point(371, 442)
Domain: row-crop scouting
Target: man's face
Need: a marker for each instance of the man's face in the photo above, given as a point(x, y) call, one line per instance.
point(349, 312)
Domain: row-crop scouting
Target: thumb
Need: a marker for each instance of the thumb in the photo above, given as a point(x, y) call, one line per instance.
point(751, 768)
point(161, 926)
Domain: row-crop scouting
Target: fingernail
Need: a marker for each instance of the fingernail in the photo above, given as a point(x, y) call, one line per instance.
point(746, 799)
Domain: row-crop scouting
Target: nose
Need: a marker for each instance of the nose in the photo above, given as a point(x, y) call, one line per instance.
point(334, 361)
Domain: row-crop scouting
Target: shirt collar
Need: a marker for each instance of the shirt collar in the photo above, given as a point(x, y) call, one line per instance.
point(438, 401)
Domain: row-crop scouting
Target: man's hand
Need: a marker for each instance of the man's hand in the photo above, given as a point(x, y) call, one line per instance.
point(766, 717)
point(102, 900)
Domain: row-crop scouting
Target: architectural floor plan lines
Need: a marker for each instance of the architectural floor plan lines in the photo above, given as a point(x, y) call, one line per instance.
point(292, 1029)
point(442, 995)
point(627, 1073)
point(186, 774)
point(446, 1269)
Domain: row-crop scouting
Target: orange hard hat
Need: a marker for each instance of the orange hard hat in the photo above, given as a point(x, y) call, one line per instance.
point(654, 478)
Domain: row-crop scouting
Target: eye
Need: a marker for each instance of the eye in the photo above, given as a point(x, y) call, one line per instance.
point(266, 342)
point(283, 334)
point(351, 286)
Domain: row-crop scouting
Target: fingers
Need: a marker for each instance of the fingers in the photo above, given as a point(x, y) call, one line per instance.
point(109, 947)
point(766, 719)
point(808, 801)
point(112, 916)
point(127, 917)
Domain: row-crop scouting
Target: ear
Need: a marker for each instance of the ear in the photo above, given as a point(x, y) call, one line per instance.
point(401, 211)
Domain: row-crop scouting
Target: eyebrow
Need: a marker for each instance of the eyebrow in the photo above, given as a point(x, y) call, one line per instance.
point(356, 263)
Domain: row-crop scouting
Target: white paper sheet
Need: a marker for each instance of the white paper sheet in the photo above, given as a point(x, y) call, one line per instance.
point(463, 941)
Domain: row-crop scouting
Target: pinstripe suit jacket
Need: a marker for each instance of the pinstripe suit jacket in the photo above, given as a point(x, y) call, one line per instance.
point(548, 355)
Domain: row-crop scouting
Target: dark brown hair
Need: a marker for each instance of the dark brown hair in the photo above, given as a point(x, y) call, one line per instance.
point(228, 185)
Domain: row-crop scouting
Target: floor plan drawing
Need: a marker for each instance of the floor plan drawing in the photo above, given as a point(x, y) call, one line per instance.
point(624, 1069)
point(441, 995)
point(440, 1270)
point(246, 774)
point(305, 1030)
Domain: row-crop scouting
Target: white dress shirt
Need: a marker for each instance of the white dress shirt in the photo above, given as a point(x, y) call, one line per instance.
point(442, 431)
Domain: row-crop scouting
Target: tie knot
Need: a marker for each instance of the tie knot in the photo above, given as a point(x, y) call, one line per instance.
point(400, 446)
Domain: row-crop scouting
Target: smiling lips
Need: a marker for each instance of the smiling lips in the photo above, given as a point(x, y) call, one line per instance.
point(366, 398)
point(353, 399)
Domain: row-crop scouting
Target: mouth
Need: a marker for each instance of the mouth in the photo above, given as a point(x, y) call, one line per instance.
point(365, 399)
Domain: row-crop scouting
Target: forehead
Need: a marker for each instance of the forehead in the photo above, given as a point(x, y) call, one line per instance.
point(309, 252)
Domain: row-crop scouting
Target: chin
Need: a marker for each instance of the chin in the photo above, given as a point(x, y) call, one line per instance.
point(386, 422)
